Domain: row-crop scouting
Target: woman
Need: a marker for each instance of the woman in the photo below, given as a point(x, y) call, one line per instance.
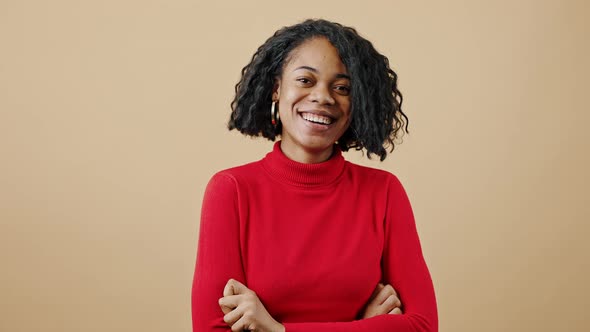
point(303, 240)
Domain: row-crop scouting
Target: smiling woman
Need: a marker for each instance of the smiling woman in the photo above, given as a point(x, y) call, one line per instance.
point(303, 240)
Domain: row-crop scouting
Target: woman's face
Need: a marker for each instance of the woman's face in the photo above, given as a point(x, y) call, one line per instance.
point(313, 97)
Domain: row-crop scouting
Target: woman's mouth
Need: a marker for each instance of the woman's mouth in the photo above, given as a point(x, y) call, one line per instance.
point(316, 118)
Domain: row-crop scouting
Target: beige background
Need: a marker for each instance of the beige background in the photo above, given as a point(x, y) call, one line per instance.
point(113, 119)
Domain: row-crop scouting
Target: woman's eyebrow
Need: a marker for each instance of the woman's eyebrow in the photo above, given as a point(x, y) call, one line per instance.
point(340, 75)
point(306, 68)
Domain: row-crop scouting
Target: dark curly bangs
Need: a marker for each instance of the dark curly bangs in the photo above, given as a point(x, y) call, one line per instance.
point(376, 115)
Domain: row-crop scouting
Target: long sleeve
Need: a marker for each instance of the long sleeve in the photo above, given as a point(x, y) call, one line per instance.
point(312, 240)
point(404, 268)
point(218, 255)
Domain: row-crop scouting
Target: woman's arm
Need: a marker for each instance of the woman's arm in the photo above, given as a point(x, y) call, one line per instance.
point(218, 255)
point(404, 268)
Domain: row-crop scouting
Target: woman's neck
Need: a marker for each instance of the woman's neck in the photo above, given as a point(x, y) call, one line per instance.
point(305, 156)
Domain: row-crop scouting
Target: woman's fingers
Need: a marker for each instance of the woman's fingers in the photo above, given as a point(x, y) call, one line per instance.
point(240, 325)
point(228, 290)
point(234, 287)
point(384, 294)
point(396, 311)
point(243, 309)
point(383, 300)
point(376, 291)
point(232, 316)
point(231, 301)
point(391, 302)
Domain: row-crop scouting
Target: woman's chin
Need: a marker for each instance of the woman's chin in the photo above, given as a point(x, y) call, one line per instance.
point(317, 144)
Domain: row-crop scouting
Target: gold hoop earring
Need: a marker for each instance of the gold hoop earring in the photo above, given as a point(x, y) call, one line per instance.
point(274, 115)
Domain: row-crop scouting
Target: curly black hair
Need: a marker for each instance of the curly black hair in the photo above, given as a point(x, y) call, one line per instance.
point(376, 115)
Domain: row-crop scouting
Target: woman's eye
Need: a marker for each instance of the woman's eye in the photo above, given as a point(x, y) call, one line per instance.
point(343, 89)
point(304, 80)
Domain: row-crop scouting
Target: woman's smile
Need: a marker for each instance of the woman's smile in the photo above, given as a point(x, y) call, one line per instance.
point(316, 118)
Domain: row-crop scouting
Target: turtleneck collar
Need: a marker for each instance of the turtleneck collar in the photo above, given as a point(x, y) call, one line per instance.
point(299, 174)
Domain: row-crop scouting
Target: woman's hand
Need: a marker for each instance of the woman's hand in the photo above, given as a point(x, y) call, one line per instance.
point(244, 311)
point(383, 301)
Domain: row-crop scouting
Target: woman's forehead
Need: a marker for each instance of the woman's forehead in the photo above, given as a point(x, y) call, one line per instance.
point(317, 54)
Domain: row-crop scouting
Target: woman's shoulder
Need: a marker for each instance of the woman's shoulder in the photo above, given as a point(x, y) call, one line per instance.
point(237, 174)
point(371, 173)
point(378, 180)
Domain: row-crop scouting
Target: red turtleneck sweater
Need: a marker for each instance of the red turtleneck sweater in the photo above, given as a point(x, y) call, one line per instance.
point(313, 241)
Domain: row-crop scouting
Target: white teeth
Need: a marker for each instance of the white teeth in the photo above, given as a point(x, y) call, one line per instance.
point(316, 118)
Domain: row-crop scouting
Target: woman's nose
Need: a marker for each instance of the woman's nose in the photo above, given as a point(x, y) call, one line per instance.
point(322, 94)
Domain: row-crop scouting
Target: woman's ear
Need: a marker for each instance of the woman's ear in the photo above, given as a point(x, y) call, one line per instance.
point(276, 90)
